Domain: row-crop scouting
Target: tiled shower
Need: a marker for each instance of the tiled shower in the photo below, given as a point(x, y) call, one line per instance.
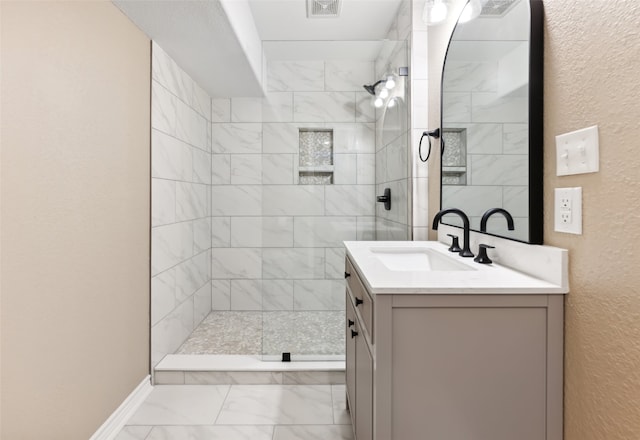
point(287, 191)
point(252, 200)
point(180, 205)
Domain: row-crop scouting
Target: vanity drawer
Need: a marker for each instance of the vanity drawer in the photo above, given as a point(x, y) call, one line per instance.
point(360, 298)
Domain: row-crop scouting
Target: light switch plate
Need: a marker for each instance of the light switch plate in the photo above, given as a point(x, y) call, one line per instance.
point(578, 152)
point(568, 210)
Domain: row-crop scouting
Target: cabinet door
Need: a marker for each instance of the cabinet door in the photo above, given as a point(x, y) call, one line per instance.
point(364, 390)
point(351, 360)
point(469, 373)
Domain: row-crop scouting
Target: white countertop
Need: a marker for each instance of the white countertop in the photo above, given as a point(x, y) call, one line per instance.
point(483, 279)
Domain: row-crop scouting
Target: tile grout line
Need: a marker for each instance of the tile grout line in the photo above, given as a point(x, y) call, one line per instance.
point(149, 433)
point(226, 396)
point(333, 412)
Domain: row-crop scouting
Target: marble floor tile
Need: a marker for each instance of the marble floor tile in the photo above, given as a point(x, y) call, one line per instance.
point(181, 405)
point(133, 433)
point(313, 432)
point(340, 414)
point(277, 404)
point(241, 412)
point(211, 433)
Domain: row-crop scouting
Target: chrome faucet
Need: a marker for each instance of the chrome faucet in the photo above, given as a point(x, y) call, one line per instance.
point(490, 212)
point(465, 252)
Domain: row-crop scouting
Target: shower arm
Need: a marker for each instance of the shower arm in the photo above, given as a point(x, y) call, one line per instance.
point(372, 88)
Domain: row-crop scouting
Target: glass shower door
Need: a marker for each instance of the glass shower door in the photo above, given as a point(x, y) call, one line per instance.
point(321, 173)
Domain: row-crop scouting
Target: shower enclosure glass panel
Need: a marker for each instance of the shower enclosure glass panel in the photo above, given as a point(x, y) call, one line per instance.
point(322, 134)
point(393, 162)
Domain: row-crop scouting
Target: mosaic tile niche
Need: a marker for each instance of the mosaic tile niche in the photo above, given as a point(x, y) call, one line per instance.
point(316, 157)
point(454, 158)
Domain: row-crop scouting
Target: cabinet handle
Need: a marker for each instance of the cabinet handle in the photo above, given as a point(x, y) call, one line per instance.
point(347, 275)
point(358, 301)
point(350, 322)
point(353, 334)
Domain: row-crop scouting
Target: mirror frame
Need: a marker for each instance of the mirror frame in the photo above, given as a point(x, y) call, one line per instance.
point(536, 136)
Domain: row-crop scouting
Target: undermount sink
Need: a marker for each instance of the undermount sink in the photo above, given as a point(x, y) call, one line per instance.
point(417, 259)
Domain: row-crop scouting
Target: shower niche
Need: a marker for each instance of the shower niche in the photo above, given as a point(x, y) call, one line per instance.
point(315, 165)
point(454, 156)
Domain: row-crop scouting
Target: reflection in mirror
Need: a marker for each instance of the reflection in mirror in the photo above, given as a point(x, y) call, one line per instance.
point(491, 120)
point(370, 142)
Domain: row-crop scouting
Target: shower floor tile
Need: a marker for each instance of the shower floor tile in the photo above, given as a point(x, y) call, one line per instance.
point(226, 333)
point(268, 333)
point(304, 333)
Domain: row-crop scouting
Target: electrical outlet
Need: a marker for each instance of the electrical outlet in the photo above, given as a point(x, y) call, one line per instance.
point(566, 217)
point(568, 210)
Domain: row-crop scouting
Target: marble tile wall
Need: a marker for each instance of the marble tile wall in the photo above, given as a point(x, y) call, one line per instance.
point(277, 245)
point(181, 205)
point(392, 162)
point(419, 121)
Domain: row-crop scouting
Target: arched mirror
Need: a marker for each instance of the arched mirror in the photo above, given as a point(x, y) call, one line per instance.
point(492, 117)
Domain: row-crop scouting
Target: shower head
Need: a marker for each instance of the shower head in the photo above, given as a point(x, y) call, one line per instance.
point(372, 88)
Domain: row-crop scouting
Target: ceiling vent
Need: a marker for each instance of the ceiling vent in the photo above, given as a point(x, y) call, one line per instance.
point(323, 8)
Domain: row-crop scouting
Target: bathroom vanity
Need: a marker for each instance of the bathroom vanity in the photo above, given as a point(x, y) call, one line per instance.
point(440, 347)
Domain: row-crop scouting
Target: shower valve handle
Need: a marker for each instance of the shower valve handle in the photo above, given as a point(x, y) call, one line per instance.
point(386, 199)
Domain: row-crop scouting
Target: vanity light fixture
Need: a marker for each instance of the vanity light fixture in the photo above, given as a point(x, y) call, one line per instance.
point(384, 93)
point(378, 102)
point(390, 83)
point(472, 10)
point(434, 12)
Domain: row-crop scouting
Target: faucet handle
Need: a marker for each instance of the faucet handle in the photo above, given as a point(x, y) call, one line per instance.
point(455, 245)
point(482, 257)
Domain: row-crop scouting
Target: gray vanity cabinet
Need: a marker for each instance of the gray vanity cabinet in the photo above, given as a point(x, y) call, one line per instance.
point(454, 366)
point(359, 369)
point(350, 373)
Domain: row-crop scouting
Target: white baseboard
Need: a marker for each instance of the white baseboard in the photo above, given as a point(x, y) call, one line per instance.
point(112, 426)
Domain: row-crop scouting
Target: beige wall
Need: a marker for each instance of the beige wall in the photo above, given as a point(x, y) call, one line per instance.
point(75, 216)
point(591, 77)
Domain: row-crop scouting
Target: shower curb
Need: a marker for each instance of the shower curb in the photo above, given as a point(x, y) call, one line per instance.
point(245, 370)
